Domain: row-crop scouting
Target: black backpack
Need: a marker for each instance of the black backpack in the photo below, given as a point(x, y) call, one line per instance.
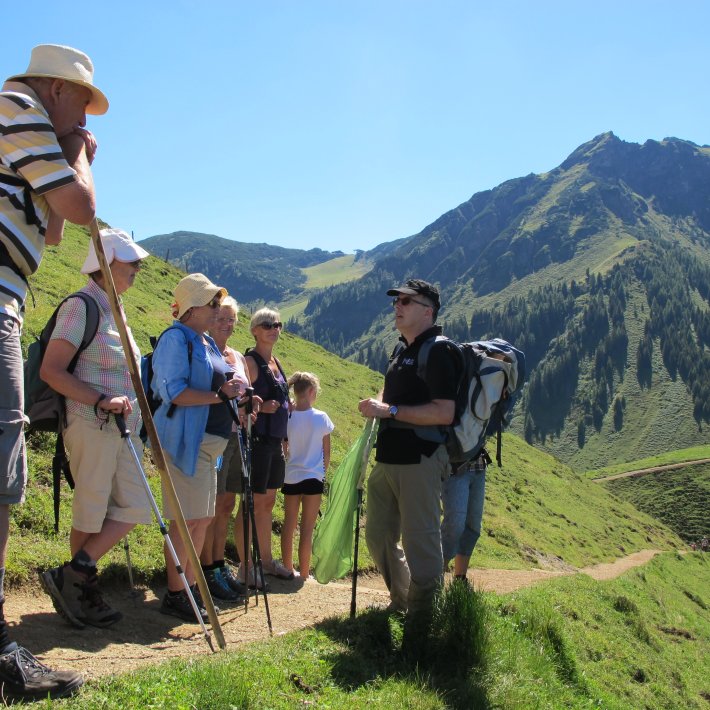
point(45, 407)
point(147, 377)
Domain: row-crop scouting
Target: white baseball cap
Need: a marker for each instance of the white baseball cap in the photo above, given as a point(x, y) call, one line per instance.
point(117, 245)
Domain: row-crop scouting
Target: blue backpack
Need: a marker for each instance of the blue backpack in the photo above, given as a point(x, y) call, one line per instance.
point(492, 373)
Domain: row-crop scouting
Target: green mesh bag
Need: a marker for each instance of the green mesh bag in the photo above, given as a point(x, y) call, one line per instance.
point(334, 535)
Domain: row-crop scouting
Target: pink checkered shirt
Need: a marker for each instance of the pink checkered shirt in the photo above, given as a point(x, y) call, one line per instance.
point(103, 364)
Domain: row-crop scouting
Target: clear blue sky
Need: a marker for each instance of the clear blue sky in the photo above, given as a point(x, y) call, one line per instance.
point(342, 125)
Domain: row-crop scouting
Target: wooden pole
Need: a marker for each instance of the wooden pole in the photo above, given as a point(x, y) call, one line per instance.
point(156, 448)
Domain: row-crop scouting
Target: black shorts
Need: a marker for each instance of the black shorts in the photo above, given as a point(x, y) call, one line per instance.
point(308, 487)
point(268, 466)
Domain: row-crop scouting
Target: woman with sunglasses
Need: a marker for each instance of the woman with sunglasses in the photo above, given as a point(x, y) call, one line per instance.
point(268, 465)
point(190, 379)
point(109, 499)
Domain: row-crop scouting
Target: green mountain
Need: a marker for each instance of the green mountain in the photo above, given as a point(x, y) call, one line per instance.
point(598, 269)
point(254, 273)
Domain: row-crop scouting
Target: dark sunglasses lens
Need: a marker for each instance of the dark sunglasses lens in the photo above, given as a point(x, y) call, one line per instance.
point(402, 300)
point(271, 326)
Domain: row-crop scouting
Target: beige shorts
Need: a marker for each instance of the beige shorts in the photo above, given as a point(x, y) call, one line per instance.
point(107, 482)
point(197, 493)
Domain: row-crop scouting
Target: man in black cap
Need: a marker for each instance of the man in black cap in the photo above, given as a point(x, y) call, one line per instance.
point(404, 488)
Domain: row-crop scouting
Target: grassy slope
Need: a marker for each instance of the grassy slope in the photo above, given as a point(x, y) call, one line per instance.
point(639, 641)
point(335, 271)
point(692, 453)
point(680, 498)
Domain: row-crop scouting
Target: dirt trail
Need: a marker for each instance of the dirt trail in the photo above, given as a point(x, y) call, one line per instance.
point(145, 636)
point(654, 469)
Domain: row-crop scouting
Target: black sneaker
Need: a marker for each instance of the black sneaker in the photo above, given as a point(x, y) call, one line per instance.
point(219, 587)
point(95, 610)
point(23, 677)
point(179, 605)
point(229, 574)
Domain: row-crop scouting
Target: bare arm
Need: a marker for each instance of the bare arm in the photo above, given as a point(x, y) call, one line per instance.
point(75, 201)
point(326, 452)
point(436, 412)
point(54, 372)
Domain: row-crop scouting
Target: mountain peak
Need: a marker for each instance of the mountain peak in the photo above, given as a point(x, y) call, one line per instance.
point(603, 143)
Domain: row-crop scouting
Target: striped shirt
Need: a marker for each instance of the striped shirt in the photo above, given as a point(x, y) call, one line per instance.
point(103, 364)
point(31, 164)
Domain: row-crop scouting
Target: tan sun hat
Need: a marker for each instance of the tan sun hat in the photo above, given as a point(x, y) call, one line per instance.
point(193, 291)
point(117, 245)
point(55, 61)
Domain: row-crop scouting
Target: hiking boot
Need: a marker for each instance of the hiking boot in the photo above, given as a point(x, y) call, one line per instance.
point(229, 574)
point(179, 605)
point(219, 587)
point(94, 609)
point(23, 677)
point(198, 598)
point(65, 587)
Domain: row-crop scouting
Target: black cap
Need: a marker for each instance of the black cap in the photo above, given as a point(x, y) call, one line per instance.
point(417, 287)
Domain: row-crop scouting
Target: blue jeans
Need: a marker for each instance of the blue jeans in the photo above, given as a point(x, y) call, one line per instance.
point(462, 497)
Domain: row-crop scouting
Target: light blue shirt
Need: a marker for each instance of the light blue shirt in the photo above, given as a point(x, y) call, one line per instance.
point(181, 434)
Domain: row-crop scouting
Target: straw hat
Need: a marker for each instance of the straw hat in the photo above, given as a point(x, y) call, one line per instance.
point(193, 291)
point(117, 245)
point(56, 61)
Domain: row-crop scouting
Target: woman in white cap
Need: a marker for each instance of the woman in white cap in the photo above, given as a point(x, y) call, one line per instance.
point(190, 379)
point(109, 499)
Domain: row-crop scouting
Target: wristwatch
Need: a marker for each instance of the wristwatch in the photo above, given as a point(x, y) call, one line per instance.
point(393, 411)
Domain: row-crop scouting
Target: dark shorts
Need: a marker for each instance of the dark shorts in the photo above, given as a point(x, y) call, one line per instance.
point(229, 474)
point(308, 487)
point(268, 466)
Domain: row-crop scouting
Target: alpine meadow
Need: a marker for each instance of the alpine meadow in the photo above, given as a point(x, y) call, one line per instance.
point(599, 270)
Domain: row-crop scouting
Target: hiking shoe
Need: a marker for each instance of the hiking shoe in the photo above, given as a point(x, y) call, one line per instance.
point(65, 587)
point(219, 587)
point(179, 605)
point(23, 677)
point(95, 610)
point(229, 574)
point(253, 584)
point(277, 569)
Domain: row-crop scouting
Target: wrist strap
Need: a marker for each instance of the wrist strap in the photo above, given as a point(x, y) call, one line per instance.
point(96, 406)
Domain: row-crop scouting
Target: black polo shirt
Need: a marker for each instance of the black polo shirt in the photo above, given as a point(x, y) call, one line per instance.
point(404, 387)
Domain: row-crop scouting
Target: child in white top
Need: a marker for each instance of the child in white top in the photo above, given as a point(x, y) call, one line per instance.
point(308, 459)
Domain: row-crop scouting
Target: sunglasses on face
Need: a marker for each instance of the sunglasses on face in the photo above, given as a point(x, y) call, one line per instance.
point(406, 300)
point(271, 326)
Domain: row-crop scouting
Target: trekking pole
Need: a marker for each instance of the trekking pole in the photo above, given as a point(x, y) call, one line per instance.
point(126, 435)
point(156, 448)
point(248, 506)
point(128, 558)
point(360, 488)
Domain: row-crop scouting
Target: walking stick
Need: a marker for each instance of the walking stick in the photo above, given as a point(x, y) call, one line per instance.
point(156, 448)
point(248, 515)
point(360, 486)
point(126, 434)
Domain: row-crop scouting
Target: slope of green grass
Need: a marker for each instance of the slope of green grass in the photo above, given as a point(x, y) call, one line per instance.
point(640, 641)
point(335, 271)
point(680, 498)
point(693, 453)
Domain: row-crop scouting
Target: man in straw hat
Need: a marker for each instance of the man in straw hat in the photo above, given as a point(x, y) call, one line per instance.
point(45, 178)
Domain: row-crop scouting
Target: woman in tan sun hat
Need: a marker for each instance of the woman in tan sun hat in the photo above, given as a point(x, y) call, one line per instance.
point(190, 379)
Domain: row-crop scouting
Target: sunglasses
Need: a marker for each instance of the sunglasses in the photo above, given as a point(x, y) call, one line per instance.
point(270, 326)
point(406, 300)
